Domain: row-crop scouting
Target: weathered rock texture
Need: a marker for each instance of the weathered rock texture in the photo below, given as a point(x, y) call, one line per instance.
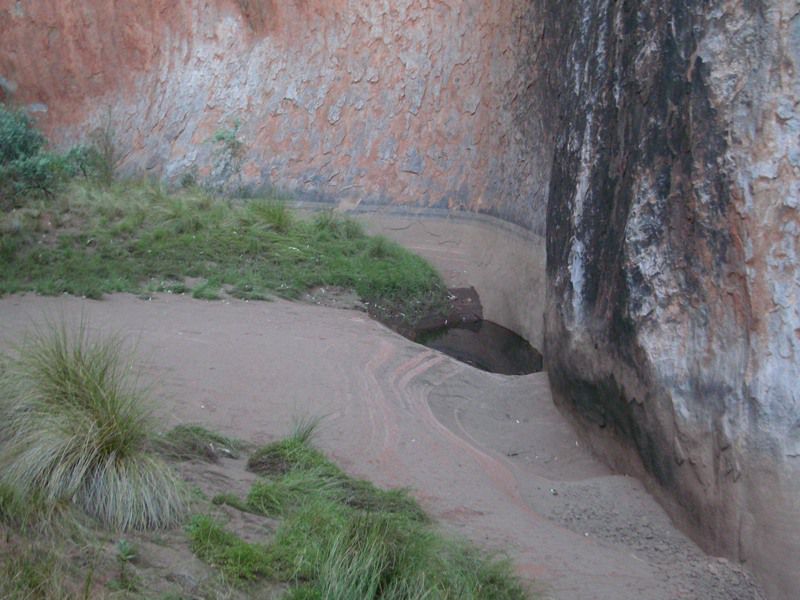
point(412, 102)
point(658, 139)
point(673, 318)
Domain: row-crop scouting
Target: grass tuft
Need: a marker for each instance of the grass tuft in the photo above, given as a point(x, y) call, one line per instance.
point(231, 500)
point(294, 452)
point(206, 291)
point(187, 442)
point(235, 558)
point(75, 429)
point(269, 214)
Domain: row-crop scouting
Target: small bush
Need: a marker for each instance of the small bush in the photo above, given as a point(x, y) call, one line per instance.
point(102, 155)
point(75, 429)
point(18, 137)
point(229, 153)
point(40, 175)
point(25, 168)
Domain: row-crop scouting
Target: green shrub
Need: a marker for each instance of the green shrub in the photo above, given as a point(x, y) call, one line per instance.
point(229, 153)
point(91, 163)
point(74, 428)
point(25, 168)
point(18, 137)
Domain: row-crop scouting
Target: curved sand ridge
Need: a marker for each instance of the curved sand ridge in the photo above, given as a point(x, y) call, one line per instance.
point(488, 455)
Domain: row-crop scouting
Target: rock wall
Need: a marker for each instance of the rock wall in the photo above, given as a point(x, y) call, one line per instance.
point(415, 102)
point(673, 315)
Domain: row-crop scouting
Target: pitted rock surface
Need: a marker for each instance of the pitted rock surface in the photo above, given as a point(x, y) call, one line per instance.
point(422, 103)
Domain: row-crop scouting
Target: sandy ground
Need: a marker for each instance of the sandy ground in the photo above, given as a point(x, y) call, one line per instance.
point(488, 455)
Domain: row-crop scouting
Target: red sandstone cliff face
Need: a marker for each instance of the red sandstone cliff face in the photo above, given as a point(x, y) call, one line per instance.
point(352, 101)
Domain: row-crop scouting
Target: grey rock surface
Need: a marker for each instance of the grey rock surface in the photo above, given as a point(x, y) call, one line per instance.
point(674, 296)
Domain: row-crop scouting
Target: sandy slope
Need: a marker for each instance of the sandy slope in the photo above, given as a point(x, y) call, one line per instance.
point(488, 455)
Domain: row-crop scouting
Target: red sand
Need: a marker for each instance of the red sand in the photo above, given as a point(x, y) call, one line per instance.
point(488, 455)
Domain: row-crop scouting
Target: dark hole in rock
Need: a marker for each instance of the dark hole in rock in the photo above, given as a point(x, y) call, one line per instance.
point(460, 331)
point(485, 345)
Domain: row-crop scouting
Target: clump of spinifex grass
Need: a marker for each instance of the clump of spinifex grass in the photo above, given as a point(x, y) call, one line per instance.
point(345, 539)
point(135, 237)
point(76, 429)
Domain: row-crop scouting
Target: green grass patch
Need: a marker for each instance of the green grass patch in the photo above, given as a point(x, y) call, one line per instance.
point(274, 497)
point(292, 453)
point(207, 291)
point(132, 237)
point(231, 500)
point(293, 470)
point(32, 572)
point(341, 538)
point(235, 558)
point(342, 553)
point(75, 428)
point(187, 442)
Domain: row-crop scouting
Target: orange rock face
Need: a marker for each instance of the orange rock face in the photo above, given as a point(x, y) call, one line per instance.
point(352, 101)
